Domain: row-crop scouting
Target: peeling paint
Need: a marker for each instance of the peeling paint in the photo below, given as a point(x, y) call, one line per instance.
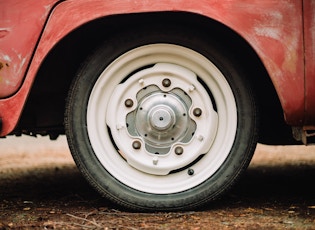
point(6, 58)
point(289, 63)
point(21, 23)
point(273, 33)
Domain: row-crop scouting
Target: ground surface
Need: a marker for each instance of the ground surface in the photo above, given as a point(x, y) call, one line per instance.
point(40, 188)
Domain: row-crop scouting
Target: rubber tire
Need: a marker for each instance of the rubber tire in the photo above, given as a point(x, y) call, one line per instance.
point(85, 158)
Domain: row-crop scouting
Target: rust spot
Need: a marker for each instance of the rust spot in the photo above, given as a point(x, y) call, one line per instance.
point(7, 64)
point(1, 65)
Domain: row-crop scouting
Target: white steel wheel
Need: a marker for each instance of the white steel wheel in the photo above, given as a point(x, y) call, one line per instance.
point(155, 127)
point(151, 116)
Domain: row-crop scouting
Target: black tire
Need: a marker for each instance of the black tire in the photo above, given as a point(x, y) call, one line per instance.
point(94, 141)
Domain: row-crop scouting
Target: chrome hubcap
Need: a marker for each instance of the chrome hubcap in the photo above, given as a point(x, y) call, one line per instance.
point(161, 119)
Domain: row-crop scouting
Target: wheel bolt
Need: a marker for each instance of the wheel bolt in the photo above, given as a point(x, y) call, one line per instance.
point(136, 144)
point(191, 88)
point(197, 112)
point(128, 103)
point(190, 172)
point(166, 82)
point(179, 150)
point(141, 81)
point(200, 138)
point(155, 160)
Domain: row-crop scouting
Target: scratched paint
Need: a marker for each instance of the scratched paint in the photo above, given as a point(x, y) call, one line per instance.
point(21, 23)
point(278, 37)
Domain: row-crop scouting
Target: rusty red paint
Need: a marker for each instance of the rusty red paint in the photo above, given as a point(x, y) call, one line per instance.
point(21, 23)
point(274, 28)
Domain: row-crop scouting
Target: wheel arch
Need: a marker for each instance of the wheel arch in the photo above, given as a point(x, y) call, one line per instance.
point(45, 106)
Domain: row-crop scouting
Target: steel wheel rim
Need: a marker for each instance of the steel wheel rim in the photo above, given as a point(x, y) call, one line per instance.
point(153, 174)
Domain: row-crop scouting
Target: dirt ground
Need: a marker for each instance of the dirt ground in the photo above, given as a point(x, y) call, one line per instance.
point(40, 188)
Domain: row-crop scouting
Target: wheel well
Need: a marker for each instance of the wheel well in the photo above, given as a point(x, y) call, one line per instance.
point(44, 110)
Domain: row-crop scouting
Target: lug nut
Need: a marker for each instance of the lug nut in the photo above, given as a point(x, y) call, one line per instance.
point(191, 88)
point(197, 112)
point(166, 82)
point(190, 172)
point(179, 150)
point(141, 81)
point(155, 160)
point(200, 138)
point(128, 103)
point(136, 144)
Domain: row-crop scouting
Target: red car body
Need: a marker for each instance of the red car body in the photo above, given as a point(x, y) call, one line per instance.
point(281, 33)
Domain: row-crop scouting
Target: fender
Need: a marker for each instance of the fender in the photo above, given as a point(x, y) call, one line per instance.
point(21, 23)
point(273, 28)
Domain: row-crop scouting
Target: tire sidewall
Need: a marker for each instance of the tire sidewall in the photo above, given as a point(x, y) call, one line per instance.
point(102, 180)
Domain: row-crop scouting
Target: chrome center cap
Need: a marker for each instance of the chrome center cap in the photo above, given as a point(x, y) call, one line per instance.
point(161, 120)
point(161, 117)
